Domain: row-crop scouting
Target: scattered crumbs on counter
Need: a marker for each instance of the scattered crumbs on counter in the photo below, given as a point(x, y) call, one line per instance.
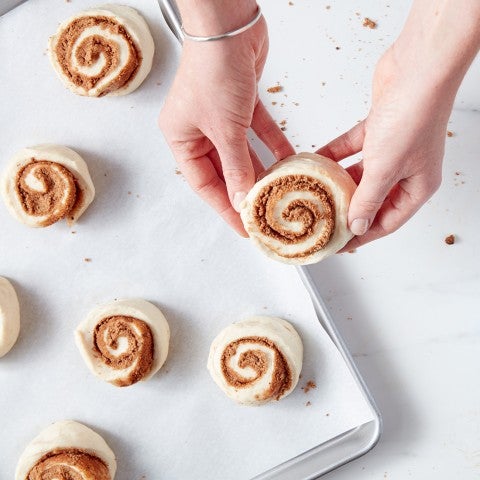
point(450, 239)
point(337, 48)
point(283, 129)
point(87, 260)
point(297, 146)
point(290, 3)
point(177, 172)
point(450, 133)
point(323, 84)
point(282, 104)
point(327, 414)
point(357, 14)
point(328, 7)
point(275, 89)
point(313, 145)
point(308, 404)
point(369, 23)
point(296, 104)
point(353, 250)
point(129, 193)
point(349, 318)
point(283, 123)
point(309, 386)
point(73, 232)
point(274, 103)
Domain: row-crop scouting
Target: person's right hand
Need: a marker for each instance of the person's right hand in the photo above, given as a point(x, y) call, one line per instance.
point(212, 103)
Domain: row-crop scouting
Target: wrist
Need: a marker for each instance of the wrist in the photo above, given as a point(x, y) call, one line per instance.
point(214, 17)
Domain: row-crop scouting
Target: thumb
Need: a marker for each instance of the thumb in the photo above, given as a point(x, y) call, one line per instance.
point(366, 201)
point(237, 169)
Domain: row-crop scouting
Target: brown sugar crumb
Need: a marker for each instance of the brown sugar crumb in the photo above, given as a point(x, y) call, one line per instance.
point(367, 22)
point(275, 89)
point(308, 404)
point(450, 239)
point(88, 260)
point(177, 172)
point(450, 133)
point(283, 123)
point(310, 384)
point(274, 103)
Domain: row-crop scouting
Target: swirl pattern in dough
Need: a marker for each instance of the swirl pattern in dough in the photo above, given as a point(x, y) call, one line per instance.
point(124, 342)
point(47, 183)
point(9, 316)
point(67, 450)
point(257, 360)
point(297, 212)
point(103, 51)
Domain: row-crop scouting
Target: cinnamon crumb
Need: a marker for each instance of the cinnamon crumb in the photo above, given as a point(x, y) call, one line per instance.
point(274, 103)
point(450, 133)
point(450, 240)
point(367, 22)
point(275, 89)
point(88, 260)
point(310, 384)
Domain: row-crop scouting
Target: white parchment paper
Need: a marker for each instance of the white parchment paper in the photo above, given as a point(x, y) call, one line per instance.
point(147, 236)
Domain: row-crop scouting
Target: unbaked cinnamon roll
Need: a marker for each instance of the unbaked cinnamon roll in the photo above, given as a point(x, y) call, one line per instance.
point(103, 51)
point(124, 342)
point(257, 360)
point(9, 316)
point(297, 212)
point(67, 450)
point(47, 183)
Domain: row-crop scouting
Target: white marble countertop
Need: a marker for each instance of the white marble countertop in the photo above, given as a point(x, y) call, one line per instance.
point(407, 305)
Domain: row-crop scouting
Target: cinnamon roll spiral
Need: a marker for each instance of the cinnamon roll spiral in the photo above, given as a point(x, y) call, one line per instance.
point(297, 212)
point(46, 183)
point(103, 51)
point(124, 342)
point(67, 450)
point(257, 360)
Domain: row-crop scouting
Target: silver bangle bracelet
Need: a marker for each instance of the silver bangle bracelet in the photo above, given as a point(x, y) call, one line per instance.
point(232, 33)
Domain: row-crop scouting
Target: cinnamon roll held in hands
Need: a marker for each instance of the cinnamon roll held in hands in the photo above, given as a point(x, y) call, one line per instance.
point(46, 183)
point(9, 316)
point(67, 450)
point(257, 360)
point(297, 212)
point(103, 51)
point(124, 342)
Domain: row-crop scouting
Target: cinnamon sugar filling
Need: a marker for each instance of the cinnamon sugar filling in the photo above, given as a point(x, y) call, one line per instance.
point(90, 50)
point(300, 210)
point(257, 360)
point(69, 464)
point(60, 197)
point(139, 353)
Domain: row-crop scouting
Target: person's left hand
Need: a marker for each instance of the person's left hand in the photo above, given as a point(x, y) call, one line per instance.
point(212, 103)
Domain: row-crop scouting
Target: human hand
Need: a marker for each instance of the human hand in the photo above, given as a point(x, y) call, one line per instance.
point(403, 137)
point(212, 103)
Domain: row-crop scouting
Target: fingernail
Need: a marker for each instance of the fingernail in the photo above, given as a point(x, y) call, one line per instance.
point(238, 198)
point(359, 226)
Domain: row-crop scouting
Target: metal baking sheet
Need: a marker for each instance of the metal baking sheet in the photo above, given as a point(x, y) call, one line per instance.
point(148, 236)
